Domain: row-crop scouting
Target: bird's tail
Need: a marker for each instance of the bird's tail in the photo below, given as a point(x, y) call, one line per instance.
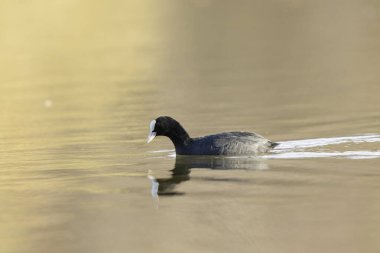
point(273, 144)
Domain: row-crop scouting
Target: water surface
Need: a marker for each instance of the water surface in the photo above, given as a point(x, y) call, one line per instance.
point(80, 82)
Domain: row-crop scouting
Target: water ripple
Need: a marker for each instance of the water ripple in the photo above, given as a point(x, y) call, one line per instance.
point(297, 149)
point(319, 142)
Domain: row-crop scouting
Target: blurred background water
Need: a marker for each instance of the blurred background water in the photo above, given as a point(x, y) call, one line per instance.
point(81, 80)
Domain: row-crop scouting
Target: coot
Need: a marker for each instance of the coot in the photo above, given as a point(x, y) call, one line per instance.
point(227, 144)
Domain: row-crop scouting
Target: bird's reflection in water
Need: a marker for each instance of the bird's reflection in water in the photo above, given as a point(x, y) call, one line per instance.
point(184, 164)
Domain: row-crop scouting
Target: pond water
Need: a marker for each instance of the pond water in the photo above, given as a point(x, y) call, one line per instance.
point(80, 82)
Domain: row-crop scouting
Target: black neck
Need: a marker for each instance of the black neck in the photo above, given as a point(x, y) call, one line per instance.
point(179, 136)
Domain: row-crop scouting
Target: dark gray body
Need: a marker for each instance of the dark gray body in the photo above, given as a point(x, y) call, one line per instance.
point(228, 144)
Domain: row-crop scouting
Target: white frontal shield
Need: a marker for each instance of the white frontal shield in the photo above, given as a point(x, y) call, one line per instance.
point(151, 133)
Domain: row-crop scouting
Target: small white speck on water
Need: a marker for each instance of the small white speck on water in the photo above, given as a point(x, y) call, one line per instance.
point(48, 103)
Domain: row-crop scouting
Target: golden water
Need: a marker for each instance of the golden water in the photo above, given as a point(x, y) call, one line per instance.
point(81, 80)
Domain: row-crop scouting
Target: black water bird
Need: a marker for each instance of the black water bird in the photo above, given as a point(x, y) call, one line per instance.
point(226, 144)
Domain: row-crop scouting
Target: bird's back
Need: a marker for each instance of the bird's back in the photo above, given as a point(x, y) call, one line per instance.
point(230, 143)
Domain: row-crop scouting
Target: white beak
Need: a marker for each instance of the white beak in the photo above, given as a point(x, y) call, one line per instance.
point(151, 137)
point(151, 133)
